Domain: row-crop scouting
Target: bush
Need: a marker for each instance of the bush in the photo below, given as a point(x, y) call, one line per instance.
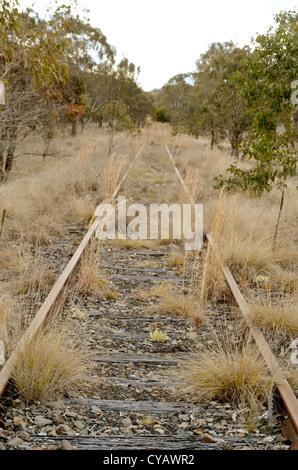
point(160, 115)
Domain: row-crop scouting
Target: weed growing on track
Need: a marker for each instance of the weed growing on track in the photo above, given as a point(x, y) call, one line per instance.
point(176, 258)
point(49, 366)
point(226, 371)
point(112, 174)
point(276, 313)
point(171, 302)
point(90, 279)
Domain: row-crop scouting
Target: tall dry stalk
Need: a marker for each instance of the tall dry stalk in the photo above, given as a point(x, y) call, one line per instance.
point(211, 284)
point(112, 174)
point(192, 181)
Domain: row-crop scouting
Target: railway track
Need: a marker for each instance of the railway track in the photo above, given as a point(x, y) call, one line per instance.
point(134, 402)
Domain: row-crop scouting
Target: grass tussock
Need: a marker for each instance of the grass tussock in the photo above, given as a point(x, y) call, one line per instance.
point(228, 372)
point(171, 302)
point(49, 366)
point(176, 259)
point(276, 313)
point(246, 243)
point(131, 244)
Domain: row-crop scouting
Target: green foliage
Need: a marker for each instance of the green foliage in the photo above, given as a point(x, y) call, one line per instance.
point(160, 115)
point(275, 161)
point(222, 112)
point(265, 81)
point(157, 336)
point(117, 116)
point(60, 69)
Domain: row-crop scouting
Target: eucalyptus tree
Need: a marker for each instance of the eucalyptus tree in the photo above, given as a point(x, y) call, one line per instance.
point(266, 78)
point(32, 70)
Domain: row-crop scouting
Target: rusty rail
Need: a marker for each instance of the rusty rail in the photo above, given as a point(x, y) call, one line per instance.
point(46, 307)
point(286, 393)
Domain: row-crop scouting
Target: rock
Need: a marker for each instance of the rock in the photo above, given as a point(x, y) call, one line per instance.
point(41, 421)
point(79, 425)
point(71, 414)
point(65, 445)
point(127, 422)
point(19, 423)
point(95, 409)
point(182, 432)
point(184, 417)
point(58, 420)
point(79, 314)
point(15, 442)
point(43, 448)
point(192, 335)
point(58, 404)
point(159, 429)
point(184, 425)
point(202, 422)
point(63, 429)
point(208, 439)
point(25, 436)
point(9, 402)
point(198, 431)
point(228, 446)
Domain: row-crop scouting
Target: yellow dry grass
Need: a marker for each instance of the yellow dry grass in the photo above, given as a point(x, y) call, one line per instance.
point(180, 304)
point(49, 366)
point(226, 371)
point(276, 313)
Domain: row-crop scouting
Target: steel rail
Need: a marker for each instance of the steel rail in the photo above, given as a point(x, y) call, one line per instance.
point(46, 307)
point(285, 391)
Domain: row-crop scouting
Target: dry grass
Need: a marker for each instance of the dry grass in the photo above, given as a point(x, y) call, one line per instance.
point(111, 294)
point(212, 285)
point(172, 302)
point(42, 198)
point(7, 308)
point(49, 366)
point(176, 258)
point(112, 174)
point(131, 244)
point(90, 279)
point(246, 243)
point(147, 264)
point(193, 182)
point(226, 371)
point(276, 313)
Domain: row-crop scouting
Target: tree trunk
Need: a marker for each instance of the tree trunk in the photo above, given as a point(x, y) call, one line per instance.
point(235, 142)
point(74, 127)
point(7, 152)
point(212, 139)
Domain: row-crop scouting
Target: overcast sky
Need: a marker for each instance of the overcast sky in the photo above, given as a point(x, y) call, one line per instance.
point(166, 37)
